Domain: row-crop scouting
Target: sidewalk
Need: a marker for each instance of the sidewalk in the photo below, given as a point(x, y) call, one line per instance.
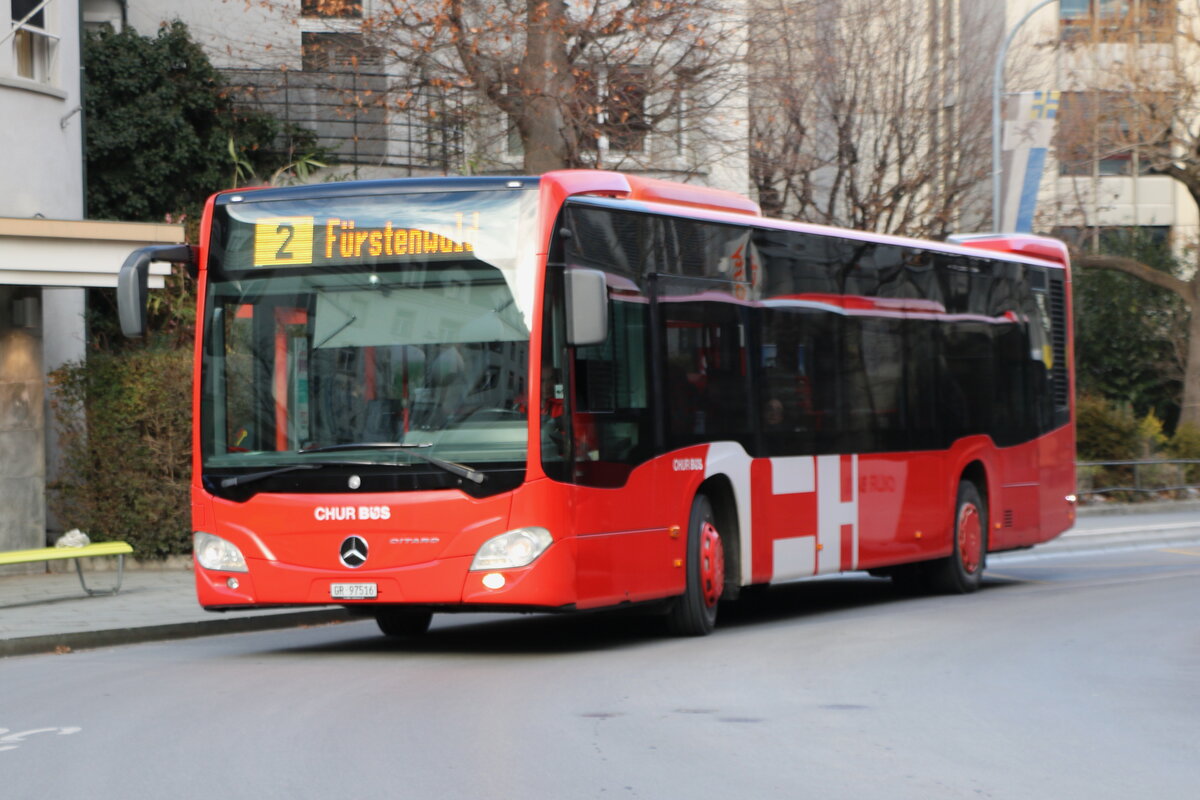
point(44, 612)
point(1115, 525)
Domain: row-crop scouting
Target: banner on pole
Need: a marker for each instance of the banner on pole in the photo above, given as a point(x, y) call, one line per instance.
point(1029, 121)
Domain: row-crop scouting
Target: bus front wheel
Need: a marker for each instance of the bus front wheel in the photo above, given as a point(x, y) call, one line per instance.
point(399, 622)
point(962, 571)
point(695, 612)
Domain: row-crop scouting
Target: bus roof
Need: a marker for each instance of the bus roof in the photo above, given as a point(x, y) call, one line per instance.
point(657, 196)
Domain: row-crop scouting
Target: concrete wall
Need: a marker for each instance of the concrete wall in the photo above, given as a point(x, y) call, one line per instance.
point(22, 430)
point(65, 306)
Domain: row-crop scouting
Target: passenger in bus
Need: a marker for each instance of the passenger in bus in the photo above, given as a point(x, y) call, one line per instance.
point(774, 418)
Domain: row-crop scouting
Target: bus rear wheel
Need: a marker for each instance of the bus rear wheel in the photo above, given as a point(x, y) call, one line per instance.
point(962, 571)
point(400, 622)
point(695, 613)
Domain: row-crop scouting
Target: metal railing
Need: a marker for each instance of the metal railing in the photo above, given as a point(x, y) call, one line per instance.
point(1176, 477)
point(359, 118)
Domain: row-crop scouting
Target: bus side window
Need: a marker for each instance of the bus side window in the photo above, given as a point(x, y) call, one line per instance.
point(708, 386)
point(612, 423)
point(800, 372)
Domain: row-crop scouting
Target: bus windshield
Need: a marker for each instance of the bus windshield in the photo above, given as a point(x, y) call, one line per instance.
point(396, 320)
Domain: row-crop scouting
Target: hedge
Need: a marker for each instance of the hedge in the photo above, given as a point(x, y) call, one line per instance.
point(124, 425)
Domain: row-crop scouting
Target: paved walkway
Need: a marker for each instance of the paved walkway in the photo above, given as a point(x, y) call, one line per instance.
point(49, 611)
point(44, 612)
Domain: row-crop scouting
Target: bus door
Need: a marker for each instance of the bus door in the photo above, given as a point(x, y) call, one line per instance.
point(708, 394)
point(623, 552)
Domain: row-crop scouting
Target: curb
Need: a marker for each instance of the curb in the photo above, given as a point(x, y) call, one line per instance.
point(87, 640)
point(1111, 539)
point(1151, 507)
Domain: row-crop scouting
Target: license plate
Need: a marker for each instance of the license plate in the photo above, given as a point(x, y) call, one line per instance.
point(353, 591)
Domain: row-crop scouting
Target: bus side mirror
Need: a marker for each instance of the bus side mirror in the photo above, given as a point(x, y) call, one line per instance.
point(587, 307)
point(134, 277)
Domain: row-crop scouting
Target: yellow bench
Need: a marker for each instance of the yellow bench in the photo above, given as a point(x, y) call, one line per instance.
point(118, 549)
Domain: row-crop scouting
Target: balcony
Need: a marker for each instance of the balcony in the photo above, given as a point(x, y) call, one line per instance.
point(359, 119)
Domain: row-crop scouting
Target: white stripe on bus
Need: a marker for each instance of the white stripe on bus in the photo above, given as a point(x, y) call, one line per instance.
point(798, 556)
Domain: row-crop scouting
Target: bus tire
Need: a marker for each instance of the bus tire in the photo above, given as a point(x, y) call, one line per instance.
point(962, 571)
point(400, 622)
point(695, 612)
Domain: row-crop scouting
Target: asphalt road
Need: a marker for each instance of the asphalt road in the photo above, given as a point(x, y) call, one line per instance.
point(1072, 675)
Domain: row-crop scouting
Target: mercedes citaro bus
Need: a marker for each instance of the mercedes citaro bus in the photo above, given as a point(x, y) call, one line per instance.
point(589, 389)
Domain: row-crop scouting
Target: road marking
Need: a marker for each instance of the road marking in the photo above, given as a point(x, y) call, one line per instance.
point(1182, 552)
point(11, 741)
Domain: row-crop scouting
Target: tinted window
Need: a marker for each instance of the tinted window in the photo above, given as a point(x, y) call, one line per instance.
point(796, 343)
point(796, 264)
point(705, 331)
point(623, 243)
point(613, 421)
point(800, 380)
point(875, 347)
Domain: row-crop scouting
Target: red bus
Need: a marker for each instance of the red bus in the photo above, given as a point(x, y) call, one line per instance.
point(588, 389)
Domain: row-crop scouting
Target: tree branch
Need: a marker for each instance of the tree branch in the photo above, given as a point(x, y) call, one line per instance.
point(1131, 266)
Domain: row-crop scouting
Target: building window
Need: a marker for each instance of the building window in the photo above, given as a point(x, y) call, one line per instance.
point(344, 9)
point(33, 46)
point(1085, 21)
point(1110, 133)
point(337, 52)
point(609, 106)
point(624, 121)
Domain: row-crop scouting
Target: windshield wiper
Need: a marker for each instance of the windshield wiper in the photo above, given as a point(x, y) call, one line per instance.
point(251, 477)
point(460, 470)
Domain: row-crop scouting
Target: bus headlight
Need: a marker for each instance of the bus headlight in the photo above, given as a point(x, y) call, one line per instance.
point(517, 548)
point(213, 552)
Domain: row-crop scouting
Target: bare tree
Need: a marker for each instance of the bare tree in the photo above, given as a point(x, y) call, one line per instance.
point(1137, 111)
point(566, 83)
point(870, 115)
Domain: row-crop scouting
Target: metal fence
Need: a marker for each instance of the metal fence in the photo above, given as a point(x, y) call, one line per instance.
point(1178, 478)
point(360, 118)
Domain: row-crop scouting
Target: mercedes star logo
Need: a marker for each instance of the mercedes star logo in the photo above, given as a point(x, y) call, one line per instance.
point(353, 552)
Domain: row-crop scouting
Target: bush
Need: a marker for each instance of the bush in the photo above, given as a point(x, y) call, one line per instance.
point(1186, 444)
point(1150, 435)
point(1106, 431)
point(125, 438)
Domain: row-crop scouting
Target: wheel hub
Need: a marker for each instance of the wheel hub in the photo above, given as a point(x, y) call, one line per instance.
point(970, 538)
point(712, 565)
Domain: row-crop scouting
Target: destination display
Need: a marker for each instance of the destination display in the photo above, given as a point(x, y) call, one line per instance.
point(307, 241)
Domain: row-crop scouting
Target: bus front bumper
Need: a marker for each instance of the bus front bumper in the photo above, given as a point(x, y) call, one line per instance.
point(549, 582)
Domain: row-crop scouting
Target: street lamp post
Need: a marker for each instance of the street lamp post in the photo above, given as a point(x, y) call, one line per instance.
point(997, 91)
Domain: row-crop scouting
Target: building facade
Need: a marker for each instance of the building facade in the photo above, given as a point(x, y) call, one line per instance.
point(873, 114)
point(1124, 78)
point(324, 66)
